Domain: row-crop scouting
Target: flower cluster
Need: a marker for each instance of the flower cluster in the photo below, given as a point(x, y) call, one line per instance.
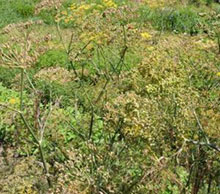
point(146, 35)
point(94, 38)
point(13, 101)
point(76, 12)
point(109, 3)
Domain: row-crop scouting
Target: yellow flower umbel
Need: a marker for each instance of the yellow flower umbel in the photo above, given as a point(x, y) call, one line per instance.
point(84, 7)
point(146, 36)
point(109, 3)
point(218, 74)
point(73, 6)
point(13, 101)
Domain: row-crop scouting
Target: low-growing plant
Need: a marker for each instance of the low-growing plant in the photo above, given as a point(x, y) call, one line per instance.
point(53, 58)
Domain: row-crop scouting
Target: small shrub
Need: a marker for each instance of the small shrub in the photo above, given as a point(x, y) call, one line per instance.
point(53, 58)
point(52, 91)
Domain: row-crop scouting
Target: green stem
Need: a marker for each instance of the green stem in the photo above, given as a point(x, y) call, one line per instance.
point(29, 128)
point(44, 164)
point(29, 80)
point(22, 88)
point(40, 149)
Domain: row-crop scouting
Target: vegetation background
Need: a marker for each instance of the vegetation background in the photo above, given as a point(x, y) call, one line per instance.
point(110, 96)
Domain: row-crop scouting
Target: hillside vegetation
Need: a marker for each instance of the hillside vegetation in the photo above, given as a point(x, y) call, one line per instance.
point(110, 96)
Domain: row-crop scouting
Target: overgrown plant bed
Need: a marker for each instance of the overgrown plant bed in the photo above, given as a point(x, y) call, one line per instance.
point(110, 97)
